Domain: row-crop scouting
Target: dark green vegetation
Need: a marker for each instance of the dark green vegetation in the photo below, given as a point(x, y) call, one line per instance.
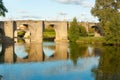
point(109, 62)
point(109, 65)
point(108, 12)
point(91, 32)
point(21, 34)
point(77, 51)
point(82, 31)
point(3, 9)
point(75, 31)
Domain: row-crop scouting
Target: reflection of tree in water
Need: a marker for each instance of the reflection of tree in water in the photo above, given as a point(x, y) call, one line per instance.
point(1, 77)
point(109, 65)
point(76, 51)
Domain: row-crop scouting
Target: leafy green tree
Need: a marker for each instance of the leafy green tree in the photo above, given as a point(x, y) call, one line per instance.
point(3, 9)
point(109, 16)
point(82, 31)
point(74, 31)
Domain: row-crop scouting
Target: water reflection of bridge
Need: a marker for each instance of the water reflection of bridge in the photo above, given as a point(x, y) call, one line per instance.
point(16, 53)
point(35, 53)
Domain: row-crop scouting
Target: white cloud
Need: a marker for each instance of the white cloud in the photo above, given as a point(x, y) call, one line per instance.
point(69, 1)
point(22, 11)
point(84, 3)
point(87, 4)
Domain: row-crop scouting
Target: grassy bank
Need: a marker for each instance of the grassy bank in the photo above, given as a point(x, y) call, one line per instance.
point(48, 35)
point(92, 40)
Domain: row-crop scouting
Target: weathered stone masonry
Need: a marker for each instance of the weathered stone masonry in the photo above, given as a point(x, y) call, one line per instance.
point(36, 29)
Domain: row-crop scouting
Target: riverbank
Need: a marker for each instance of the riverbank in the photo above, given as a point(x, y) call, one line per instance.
point(96, 40)
point(48, 35)
point(92, 40)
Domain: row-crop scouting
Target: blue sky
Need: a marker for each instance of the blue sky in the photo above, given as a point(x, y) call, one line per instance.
point(49, 9)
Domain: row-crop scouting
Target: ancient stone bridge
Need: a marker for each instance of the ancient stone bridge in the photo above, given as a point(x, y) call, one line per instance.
point(9, 30)
point(35, 28)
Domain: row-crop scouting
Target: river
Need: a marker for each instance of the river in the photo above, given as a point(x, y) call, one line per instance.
point(59, 61)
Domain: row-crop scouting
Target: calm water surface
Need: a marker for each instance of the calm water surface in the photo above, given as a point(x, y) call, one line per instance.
point(59, 61)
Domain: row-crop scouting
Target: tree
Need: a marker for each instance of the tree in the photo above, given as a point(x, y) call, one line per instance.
point(82, 31)
point(74, 31)
point(3, 9)
point(109, 16)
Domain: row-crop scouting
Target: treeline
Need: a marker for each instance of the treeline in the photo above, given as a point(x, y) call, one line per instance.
point(108, 13)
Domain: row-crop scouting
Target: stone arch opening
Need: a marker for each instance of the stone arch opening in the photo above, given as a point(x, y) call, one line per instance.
point(22, 34)
point(97, 31)
point(60, 29)
point(49, 33)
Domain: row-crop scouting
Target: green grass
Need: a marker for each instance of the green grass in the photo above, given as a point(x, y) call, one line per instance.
point(91, 34)
point(48, 34)
point(92, 40)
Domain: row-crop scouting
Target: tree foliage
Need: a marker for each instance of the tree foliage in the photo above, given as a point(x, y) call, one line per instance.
point(82, 31)
point(3, 9)
point(74, 31)
point(108, 12)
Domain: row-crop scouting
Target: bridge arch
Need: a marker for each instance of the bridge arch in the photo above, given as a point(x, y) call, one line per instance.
point(22, 34)
point(49, 33)
point(35, 29)
point(61, 28)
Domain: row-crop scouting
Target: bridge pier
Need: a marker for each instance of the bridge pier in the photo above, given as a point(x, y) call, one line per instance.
point(8, 29)
point(61, 32)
